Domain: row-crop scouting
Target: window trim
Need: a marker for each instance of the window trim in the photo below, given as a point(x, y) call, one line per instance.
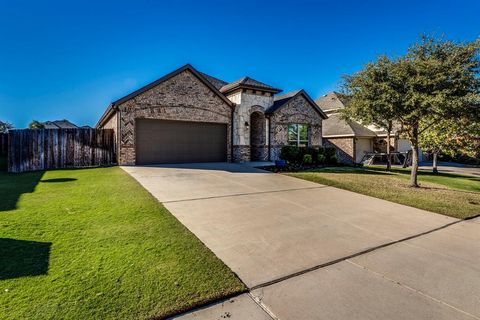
point(298, 141)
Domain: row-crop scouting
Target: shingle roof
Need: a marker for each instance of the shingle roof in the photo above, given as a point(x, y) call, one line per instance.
point(247, 82)
point(59, 124)
point(217, 83)
point(279, 101)
point(337, 126)
point(332, 101)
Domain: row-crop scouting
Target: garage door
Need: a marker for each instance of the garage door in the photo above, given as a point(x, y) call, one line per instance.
point(162, 141)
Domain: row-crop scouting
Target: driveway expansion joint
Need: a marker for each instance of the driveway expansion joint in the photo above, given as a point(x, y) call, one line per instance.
point(246, 194)
point(332, 262)
point(384, 276)
point(258, 302)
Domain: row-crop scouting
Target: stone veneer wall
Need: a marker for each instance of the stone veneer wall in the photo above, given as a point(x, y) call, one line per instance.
point(247, 102)
point(258, 137)
point(183, 97)
point(345, 148)
point(297, 110)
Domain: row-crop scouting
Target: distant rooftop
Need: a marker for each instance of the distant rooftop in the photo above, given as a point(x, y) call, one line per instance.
point(332, 101)
point(59, 124)
point(337, 126)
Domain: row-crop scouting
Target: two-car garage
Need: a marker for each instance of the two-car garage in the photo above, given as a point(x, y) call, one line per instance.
point(165, 141)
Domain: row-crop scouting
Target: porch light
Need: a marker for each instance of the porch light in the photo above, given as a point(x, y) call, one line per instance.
point(246, 124)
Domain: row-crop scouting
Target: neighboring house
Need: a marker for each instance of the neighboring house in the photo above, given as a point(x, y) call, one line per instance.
point(352, 139)
point(189, 116)
point(59, 124)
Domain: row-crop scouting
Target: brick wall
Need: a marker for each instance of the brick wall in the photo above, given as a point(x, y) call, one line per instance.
point(183, 97)
point(345, 148)
point(297, 110)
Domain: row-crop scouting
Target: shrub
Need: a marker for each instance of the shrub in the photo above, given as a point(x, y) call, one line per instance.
point(290, 154)
point(307, 159)
point(333, 159)
point(295, 155)
point(313, 152)
point(329, 152)
point(321, 158)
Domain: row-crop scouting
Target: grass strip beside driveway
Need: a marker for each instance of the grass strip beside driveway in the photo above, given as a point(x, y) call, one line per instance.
point(452, 195)
point(93, 244)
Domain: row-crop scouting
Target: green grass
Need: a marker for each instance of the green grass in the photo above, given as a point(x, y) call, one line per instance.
point(93, 244)
point(453, 195)
point(453, 181)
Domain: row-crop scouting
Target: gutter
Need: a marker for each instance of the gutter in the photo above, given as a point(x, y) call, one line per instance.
point(112, 108)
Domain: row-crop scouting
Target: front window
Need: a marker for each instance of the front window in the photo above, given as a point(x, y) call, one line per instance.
point(298, 135)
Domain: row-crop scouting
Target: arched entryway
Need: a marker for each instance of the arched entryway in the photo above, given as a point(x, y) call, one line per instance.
point(257, 136)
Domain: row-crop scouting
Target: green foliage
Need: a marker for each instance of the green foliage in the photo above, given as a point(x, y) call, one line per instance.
point(5, 126)
point(436, 81)
point(452, 138)
point(290, 154)
point(332, 159)
point(329, 152)
point(36, 125)
point(307, 159)
point(296, 155)
point(321, 158)
point(372, 99)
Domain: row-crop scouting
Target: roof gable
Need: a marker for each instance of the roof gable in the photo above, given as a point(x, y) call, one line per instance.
point(209, 81)
point(186, 67)
point(282, 100)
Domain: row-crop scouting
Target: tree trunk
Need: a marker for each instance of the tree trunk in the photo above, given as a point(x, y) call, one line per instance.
point(414, 172)
point(435, 162)
point(389, 158)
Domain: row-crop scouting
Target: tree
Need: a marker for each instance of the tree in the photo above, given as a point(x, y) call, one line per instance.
point(5, 126)
point(36, 125)
point(372, 99)
point(435, 81)
point(452, 138)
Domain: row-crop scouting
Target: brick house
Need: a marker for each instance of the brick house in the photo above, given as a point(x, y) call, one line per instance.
point(189, 116)
point(352, 139)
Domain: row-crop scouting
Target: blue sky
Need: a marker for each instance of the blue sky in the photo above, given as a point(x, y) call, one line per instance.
point(69, 59)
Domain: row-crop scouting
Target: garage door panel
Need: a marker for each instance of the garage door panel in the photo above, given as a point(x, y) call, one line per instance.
point(162, 141)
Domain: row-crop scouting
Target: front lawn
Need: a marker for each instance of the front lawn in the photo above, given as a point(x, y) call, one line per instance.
point(453, 195)
point(93, 244)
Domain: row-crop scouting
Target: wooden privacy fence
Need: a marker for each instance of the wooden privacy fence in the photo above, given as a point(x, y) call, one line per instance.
point(41, 149)
point(3, 144)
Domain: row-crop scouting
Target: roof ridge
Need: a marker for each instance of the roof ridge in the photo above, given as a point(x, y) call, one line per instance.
point(247, 81)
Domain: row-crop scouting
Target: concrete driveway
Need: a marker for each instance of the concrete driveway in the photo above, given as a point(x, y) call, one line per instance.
point(308, 251)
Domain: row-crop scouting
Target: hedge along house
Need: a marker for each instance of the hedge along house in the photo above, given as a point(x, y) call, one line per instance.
point(188, 116)
point(352, 139)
